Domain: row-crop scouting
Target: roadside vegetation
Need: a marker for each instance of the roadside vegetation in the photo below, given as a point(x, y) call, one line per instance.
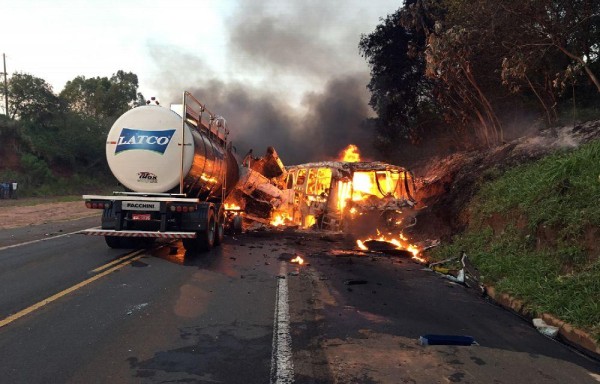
point(53, 144)
point(462, 74)
point(533, 233)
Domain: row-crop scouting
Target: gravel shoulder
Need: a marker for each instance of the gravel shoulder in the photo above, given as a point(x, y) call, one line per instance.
point(36, 213)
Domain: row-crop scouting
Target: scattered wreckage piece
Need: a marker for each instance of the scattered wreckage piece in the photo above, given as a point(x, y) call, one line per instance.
point(258, 191)
point(447, 340)
point(386, 247)
point(466, 274)
point(545, 329)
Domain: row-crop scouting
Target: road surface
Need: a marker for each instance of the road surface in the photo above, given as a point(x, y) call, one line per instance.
point(74, 311)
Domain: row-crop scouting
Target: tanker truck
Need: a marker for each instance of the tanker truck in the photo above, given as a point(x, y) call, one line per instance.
point(176, 169)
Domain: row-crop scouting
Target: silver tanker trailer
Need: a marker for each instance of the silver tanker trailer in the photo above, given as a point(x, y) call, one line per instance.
point(177, 171)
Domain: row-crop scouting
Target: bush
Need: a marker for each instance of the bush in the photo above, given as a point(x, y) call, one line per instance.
point(37, 171)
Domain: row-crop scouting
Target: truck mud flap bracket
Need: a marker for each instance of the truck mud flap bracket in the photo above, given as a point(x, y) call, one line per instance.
point(130, 233)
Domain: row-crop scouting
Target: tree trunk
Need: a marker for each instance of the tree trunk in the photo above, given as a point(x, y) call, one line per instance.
point(496, 127)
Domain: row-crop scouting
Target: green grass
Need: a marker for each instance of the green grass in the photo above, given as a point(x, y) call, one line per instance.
point(558, 196)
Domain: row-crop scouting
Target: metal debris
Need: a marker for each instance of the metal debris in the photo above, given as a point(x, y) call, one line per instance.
point(545, 329)
point(446, 340)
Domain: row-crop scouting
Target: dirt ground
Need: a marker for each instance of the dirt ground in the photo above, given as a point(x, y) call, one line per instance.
point(13, 216)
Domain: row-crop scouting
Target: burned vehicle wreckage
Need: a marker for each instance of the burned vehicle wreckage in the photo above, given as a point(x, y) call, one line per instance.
point(328, 195)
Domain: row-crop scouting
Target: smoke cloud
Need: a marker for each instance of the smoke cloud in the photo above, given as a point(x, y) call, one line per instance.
point(294, 78)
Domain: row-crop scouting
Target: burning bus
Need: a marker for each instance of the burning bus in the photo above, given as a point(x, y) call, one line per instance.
point(372, 200)
point(347, 194)
point(342, 195)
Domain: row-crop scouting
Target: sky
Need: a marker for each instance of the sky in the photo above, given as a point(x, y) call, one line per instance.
point(286, 73)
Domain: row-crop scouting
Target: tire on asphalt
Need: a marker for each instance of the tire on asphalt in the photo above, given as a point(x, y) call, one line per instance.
point(113, 242)
point(220, 230)
point(237, 224)
point(204, 240)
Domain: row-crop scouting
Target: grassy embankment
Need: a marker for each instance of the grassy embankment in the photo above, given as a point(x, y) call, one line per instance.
point(534, 233)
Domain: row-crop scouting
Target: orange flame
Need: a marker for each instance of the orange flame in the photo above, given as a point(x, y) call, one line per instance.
point(350, 154)
point(232, 207)
point(298, 260)
point(277, 220)
point(401, 243)
point(361, 245)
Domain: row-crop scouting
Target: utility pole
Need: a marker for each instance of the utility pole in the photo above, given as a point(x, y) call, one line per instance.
point(5, 86)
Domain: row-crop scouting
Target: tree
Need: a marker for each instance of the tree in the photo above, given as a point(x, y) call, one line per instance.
point(32, 99)
point(101, 97)
point(483, 64)
point(399, 89)
point(558, 50)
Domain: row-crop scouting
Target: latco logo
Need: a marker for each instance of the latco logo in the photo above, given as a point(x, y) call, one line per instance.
point(147, 177)
point(156, 141)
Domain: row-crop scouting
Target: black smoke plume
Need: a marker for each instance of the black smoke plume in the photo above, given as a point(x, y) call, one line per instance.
point(278, 45)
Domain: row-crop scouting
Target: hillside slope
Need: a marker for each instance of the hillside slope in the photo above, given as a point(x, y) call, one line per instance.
point(527, 216)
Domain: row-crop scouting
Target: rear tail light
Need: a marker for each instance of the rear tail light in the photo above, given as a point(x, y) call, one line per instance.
point(182, 208)
point(97, 204)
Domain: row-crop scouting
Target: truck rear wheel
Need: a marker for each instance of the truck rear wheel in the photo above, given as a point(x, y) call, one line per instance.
point(118, 242)
point(220, 230)
point(113, 242)
point(204, 240)
point(237, 224)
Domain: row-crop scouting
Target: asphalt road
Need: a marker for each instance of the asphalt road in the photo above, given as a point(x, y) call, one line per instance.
point(74, 311)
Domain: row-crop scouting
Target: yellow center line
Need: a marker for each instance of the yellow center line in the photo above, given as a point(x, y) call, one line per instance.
point(57, 296)
point(117, 261)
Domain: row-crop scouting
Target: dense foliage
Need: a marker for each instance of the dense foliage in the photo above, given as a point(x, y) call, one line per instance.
point(483, 67)
point(532, 233)
point(54, 144)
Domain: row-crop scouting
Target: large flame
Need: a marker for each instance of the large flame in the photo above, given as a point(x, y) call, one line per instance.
point(401, 242)
point(350, 154)
point(277, 220)
point(232, 207)
point(363, 185)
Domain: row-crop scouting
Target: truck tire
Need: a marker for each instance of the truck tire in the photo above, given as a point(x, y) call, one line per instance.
point(113, 242)
point(204, 240)
point(220, 230)
point(237, 224)
point(138, 242)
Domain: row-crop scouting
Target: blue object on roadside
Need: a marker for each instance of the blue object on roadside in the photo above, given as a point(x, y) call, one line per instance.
point(446, 340)
point(4, 190)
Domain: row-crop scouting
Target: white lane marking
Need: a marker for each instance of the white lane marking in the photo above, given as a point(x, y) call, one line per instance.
point(38, 240)
point(282, 366)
